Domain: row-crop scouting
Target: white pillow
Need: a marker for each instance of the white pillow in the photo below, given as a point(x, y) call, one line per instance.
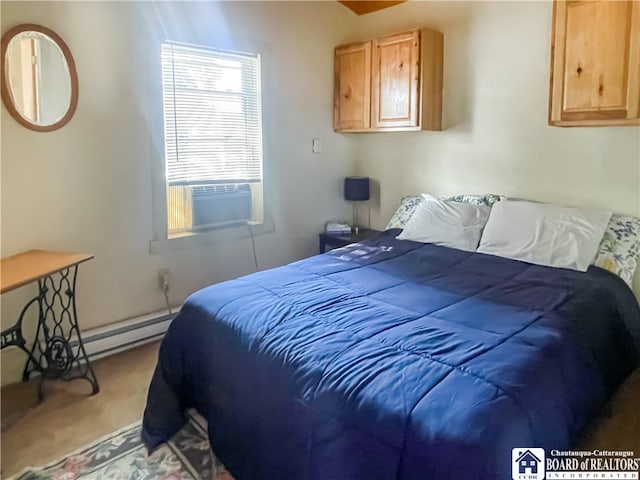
point(452, 224)
point(544, 234)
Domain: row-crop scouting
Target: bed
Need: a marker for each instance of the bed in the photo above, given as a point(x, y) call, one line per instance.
point(392, 359)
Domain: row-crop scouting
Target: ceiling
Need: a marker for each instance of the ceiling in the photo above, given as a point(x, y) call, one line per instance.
point(360, 7)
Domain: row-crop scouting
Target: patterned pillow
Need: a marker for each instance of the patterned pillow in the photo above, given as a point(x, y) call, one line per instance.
point(407, 206)
point(472, 199)
point(491, 198)
point(620, 247)
point(409, 203)
point(487, 199)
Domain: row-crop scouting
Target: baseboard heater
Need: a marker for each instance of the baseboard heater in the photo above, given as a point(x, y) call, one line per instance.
point(127, 334)
point(110, 339)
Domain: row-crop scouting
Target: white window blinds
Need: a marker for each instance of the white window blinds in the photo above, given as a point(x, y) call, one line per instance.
point(212, 116)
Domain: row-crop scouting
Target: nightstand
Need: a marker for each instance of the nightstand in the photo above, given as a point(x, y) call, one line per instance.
point(336, 240)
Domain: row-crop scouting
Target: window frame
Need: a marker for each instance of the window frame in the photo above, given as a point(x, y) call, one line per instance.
point(161, 241)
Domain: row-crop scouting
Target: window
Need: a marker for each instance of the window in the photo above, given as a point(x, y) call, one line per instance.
point(213, 138)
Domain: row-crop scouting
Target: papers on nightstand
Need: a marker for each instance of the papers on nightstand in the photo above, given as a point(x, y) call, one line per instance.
point(335, 228)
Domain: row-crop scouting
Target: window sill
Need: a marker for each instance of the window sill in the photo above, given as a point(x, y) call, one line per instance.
point(197, 239)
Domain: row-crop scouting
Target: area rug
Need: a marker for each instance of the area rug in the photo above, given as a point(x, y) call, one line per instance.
point(121, 456)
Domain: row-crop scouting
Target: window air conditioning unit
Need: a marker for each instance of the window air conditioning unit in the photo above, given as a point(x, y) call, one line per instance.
point(216, 205)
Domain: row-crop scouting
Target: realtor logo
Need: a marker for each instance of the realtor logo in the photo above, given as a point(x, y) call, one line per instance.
point(527, 463)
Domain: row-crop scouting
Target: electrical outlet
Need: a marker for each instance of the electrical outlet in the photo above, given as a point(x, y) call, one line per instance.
point(164, 275)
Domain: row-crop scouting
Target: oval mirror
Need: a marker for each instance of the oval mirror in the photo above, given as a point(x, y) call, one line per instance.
point(39, 78)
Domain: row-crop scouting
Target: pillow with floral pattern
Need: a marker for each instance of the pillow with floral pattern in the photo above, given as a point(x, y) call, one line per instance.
point(487, 199)
point(619, 248)
point(409, 204)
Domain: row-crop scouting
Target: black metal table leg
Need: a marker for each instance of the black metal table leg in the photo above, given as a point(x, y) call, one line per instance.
point(12, 336)
point(58, 351)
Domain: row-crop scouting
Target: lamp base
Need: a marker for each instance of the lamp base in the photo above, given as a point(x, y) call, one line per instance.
point(355, 224)
point(354, 217)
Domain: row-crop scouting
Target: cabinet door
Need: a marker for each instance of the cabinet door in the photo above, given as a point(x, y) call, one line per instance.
point(395, 73)
point(352, 87)
point(595, 71)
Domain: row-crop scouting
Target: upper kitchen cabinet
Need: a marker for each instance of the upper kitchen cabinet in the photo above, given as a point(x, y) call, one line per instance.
point(595, 63)
point(393, 83)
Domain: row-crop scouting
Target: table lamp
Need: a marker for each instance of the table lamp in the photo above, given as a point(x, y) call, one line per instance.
point(356, 189)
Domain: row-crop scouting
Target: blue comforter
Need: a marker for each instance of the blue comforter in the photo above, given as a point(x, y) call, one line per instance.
point(393, 360)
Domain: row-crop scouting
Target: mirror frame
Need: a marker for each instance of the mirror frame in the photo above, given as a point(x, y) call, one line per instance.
point(7, 97)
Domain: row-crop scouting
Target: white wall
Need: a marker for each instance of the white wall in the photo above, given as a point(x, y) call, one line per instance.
point(496, 80)
point(87, 186)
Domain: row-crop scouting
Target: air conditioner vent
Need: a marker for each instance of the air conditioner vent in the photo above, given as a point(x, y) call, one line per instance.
point(222, 204)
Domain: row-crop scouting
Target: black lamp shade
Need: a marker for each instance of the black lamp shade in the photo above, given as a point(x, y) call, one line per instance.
point(356, 189)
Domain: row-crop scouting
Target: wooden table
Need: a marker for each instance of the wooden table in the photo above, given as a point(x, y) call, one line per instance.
point(57, 351)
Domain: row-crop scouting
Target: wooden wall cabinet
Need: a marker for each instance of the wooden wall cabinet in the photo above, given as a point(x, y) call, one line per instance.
point(352, 87)
point(393, 83)
point(595, 63)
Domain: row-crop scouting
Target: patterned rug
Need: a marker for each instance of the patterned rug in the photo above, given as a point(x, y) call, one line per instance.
point(121, 456)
